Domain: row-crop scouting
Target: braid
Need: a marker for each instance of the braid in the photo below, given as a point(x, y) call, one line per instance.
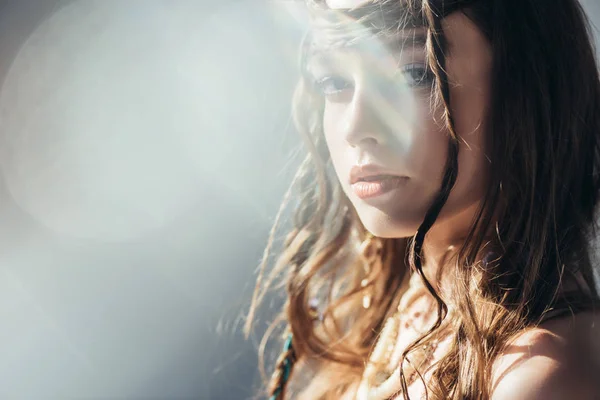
point(283, 370)
point(287, 359)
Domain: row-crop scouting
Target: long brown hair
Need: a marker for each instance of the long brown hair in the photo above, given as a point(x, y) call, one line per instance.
point(542, 142)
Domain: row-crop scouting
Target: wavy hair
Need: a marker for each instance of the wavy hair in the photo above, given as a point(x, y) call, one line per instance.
point(542, 142)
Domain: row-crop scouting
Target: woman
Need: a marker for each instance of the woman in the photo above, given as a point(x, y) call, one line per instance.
point(440, 243)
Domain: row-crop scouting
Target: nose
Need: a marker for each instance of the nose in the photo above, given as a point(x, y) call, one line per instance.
point(362, 123)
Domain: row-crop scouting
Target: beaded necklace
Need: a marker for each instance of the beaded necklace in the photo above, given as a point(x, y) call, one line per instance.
point(381, 378)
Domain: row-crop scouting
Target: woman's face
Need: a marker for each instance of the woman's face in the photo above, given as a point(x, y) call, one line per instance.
point(388, 142)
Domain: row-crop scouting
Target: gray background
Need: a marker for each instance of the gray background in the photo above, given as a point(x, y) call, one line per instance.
point(145, 148)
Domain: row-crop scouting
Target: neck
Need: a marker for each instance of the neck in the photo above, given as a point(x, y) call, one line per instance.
point(445, 238)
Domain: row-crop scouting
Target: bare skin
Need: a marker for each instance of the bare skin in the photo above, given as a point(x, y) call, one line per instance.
point(552, 361)
point(405, 137)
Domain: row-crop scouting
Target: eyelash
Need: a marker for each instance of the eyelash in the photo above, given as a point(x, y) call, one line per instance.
point(322, 85)
point(423, 78)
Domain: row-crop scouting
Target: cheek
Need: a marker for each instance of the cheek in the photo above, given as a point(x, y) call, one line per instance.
point(469, 69)
point(430, 147)
point(329, 128)
point(334, 139)
point(469, 109)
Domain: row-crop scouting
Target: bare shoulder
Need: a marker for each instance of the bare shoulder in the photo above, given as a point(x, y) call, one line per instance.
point(557, 360)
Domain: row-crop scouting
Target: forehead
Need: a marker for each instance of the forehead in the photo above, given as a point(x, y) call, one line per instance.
point(340, 27)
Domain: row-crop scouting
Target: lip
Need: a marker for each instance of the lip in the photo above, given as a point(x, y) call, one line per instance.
point(367, 190)
point(360, 173)
point(370, 180)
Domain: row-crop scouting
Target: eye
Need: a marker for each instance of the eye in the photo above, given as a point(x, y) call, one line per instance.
point(417, 75)
point(331, 86)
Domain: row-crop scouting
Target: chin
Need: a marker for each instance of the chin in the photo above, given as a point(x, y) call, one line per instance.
point(388, 227)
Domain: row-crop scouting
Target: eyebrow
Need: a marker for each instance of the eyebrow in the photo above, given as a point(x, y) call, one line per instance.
point(395, 43)
point(416, 39)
